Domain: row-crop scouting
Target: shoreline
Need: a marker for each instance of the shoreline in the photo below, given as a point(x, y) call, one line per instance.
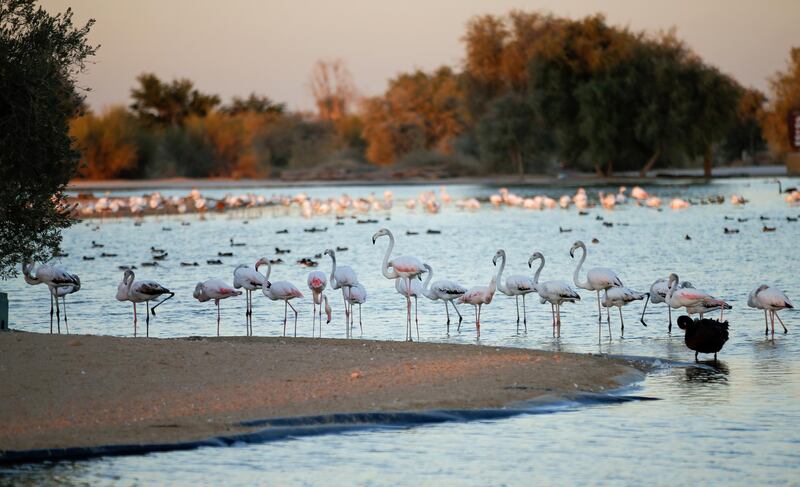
point(81, 393)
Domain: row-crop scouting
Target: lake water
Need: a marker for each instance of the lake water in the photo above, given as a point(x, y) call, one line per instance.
point(734, 423)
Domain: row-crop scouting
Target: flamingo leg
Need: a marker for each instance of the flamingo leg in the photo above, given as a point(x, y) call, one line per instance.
point(599, 312)
point(608, 312)
point(766, 323)
point(360, 325)
point(553, 315)
point(771, 321)
point(51, 312)
point(558, 319)
point(285, 310)
point(785, 330)
point(134, 319)
point(524, 314)
point(58, 314)
point(621, 323)
point(645, 309)
point(295, 317)
point(346, 315)
point(447, 313)
point(147, 320)
point(516, 302)
point(478, 322)
point(457, 312)
point(66, 323)
point(217, 317)
point(314, 316)
point(669, 312)
point(416, 315)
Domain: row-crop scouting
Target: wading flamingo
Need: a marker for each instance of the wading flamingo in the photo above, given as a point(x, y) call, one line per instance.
point(281, 291)
point(317, 282)
point(144, 292)
point(358, 295)
point(658, 294)
point(769, 299)
point(404, 267)
point(597, 279)
point(344, 278)
point(215, 289)
point(695, 301)
point(251, 280)
point(517, 285)
point(479, 295)
point(59, 282)
point(619, 296)
point(553, 292)
point(447, 291)
point(416, 289)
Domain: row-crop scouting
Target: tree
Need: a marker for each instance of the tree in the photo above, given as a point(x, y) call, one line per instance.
point(333, 89)
point(162, 104)
point(784, 97)
point(107, 143)
point(254, 104)
point(40, 55)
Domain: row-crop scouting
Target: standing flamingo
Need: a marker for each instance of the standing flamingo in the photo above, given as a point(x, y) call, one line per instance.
point(215, 289)
point(597, 279)
point(249, 279)
point(479, 295)
point(317, 282)
point(447, 291)
point(693, 300)
point(553, 292)
point(358, 295)
point(619, 296)
point(403, 267)
point(658, 294)
point(414, 291)
point(344, 278)
point(59, 282)
point(517, 285)
point(770, 299)
point(144, 292)
point(281, 291)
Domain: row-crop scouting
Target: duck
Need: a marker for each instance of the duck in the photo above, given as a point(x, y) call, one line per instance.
point(705, 335)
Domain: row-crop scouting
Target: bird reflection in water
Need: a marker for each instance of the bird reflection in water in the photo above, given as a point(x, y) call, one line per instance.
point(708, 372)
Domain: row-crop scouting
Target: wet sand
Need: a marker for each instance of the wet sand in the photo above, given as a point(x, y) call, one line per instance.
point(80, 390)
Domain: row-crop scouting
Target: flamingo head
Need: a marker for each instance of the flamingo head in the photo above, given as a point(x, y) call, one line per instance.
point(266, 285)
point(535, 256)
point(327, 308)
point(500, 254)
point(261, 261)
point(127, 275)
point(198, 293)
point(330, 252)
point(577, 245)
point(673, 278)
point(380, 233)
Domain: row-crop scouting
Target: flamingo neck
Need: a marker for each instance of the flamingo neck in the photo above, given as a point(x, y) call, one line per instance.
point(425, 291)
point(130, 282)
point(385, 267)
point(538, 271)
point(671, 290)
point(575, 275)
point(333, 271)
point(493, 284)
point(269, 271)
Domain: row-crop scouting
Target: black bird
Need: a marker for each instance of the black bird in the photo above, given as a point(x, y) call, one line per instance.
point(341, 249)
point(729, 231)
point(276, 261)
point(564, 230)
point(149, 264)
point(595, 241)
point(166, 229)
point(704, 336)
point(762, 218)
point(687, 237)
point(434, 232)
point(768, 229)
point(608, 224)
point(583, 213)
point(790, 219)
point(742, 220)
point(96, 245)
point(598, 218)
point(189, 264)
point(409, 232)
point(729, 217)
point(157, 251)
point(787, 190)
point(185, 224)
point(160, 256)
point(224, 254)
point(281, 251)
point(282, 231)
point(237, 244)
point(106, 254)
point(214, 262)
point(86, 257)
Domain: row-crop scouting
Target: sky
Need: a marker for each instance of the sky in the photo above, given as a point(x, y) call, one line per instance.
point(235, 47)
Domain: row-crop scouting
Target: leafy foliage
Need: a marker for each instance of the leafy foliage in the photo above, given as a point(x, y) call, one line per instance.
point(160, 103)
point(785, 87)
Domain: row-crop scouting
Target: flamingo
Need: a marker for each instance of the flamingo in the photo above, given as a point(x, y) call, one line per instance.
point(344, 278)
point(281, 291)
point(358, 295)
point(619, 296)
point(553, 292)
point(693, 300)
point(597, 279)
point(517, 285)
point(403, 267)
point(143, 292)
point(59, 282)
point(477, 296)
point(215, 289)
point(769, 299)
point(323, 298)
point(414, 290)
point(317, 282)
point(658, 294)
point(249, 279)
point(447, 291)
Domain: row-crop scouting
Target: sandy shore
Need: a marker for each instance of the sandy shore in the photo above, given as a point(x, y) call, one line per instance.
point(77, 391)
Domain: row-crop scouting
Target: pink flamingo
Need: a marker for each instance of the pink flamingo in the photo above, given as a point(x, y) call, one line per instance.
point(403, 267)
point(479, 295)
point(517, 285)
point(249, 279)
point(597, 279)
point(358, 295)
point(281, 291)
point(143, 292)
point(769, 299)
point(694, 300)
point(59, 282)
point(317, 282)
point(344, 278)
point(415, 291)
point(553, 292)
point(215, 289)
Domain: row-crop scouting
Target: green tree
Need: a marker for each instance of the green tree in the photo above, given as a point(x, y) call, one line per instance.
point(40, 55)
point(163, 104)
point(254, 104)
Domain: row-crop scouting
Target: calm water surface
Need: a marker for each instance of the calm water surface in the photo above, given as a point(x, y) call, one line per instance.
point(735, 423)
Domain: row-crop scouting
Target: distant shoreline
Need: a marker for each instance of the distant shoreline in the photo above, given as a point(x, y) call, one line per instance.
point(676, 176)
point(83, 391)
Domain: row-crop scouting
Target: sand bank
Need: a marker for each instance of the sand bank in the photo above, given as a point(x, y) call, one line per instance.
point(82, 391)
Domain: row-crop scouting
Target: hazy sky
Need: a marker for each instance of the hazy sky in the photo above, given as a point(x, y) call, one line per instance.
point(234, 47)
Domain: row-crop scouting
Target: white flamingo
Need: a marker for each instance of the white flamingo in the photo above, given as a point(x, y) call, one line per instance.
point(694, 300)
point(479, 295)
point(403, 267)
point(281, 291)
point(143, 292)
point(344, 278)
point(59, 282)
point(317, 281)
point(215, 289)
point(771, 300)
point(553, 292)
point(358, 295)
point(658, 294)
point(597, 279)
point(619, 296)
point(517, 285)
point(447, 291)
point(251, 280)
point(414, 291)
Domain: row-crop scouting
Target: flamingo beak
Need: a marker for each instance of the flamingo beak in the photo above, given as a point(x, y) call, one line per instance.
point(373, 240)
point(572, 253)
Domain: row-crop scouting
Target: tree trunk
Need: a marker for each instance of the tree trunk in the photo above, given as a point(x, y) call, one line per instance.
point(650, 163)
point(707, 162)
point(609, 169)
point(520, 164)
point(598, 169)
